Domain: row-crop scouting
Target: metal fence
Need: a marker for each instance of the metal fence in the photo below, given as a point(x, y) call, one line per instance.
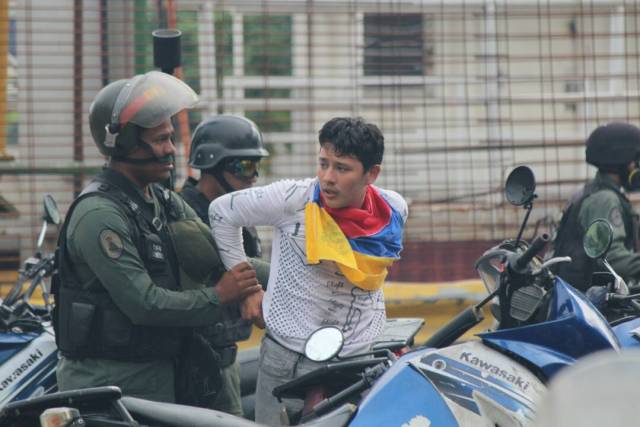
point(463, 91)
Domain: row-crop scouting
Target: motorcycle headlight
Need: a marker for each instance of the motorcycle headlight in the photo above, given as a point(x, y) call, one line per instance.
point(490, 266)
point(493, 262)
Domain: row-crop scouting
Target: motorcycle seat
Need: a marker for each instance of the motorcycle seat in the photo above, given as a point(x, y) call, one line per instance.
point(170, 414)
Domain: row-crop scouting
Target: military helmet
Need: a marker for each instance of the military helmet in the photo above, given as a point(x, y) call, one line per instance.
point(222, 137)
point(122, 107)
point(614, 144)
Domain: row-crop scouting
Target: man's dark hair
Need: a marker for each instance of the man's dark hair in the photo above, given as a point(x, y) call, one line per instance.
point(352, 136)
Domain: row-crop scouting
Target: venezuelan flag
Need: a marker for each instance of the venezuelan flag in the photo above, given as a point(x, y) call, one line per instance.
point(362, 251)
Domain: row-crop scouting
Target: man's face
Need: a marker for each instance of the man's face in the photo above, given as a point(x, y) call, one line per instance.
point(343, 181)
point(163, 150)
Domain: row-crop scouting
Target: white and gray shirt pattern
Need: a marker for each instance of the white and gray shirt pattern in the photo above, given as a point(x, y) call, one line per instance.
point(300, 297)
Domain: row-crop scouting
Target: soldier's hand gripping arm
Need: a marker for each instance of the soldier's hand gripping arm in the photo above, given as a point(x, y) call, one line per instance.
point(237, 283)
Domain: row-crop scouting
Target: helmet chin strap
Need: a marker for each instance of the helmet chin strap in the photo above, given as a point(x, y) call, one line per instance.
point(153, 159)
point(631, 179)
point(219, 175)
point(145, 161)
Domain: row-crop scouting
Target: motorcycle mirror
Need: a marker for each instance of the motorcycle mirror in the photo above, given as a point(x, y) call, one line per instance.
point(324, 344)
point(520, 186)
point(597, 240)
point(51, 211)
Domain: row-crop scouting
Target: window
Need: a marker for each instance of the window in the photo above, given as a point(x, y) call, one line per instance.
point(394, 45)
point(267, 45)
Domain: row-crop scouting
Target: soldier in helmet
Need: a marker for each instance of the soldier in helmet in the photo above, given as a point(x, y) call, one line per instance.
point(120, 312)
point(615, 150)
point(227, 150)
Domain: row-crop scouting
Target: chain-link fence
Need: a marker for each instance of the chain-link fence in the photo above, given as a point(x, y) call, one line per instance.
point(463, 91)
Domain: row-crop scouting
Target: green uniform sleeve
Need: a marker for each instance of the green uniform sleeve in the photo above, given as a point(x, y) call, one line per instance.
point(119, 268)
point(606, 205)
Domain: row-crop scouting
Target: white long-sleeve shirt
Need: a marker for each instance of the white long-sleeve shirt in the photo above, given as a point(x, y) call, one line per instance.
point(300, 297)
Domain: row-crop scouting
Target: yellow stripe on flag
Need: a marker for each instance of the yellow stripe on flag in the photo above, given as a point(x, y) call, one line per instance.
point(325, 241)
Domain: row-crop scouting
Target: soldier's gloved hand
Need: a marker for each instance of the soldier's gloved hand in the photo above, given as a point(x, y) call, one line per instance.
point(251, 308)
point(237, 283)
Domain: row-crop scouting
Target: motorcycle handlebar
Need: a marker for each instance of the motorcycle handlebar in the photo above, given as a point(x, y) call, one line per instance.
point(44, 266)
point(618, 297)
point(533, 250)
point(454, 329)
point(35, 271)
point(629, 299)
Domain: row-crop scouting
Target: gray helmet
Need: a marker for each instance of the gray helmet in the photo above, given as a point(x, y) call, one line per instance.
point(121, 108)
point(222, 137)
point(614, 144)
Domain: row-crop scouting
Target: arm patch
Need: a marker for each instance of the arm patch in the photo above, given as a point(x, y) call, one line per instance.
point(615, 217)
point(111, 243)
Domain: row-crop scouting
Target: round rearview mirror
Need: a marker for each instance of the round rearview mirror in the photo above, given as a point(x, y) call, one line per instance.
point(51, 212)
point(520, 186)
point(324, 344)
point(598, 238)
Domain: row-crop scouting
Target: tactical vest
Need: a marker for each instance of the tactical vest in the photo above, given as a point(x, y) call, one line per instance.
point(88, 324)
point(232, 327)
point(570, 236)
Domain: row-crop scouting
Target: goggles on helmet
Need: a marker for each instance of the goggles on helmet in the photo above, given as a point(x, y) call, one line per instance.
point(243, 168)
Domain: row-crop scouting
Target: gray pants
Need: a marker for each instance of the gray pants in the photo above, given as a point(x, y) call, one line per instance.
point(278, 365)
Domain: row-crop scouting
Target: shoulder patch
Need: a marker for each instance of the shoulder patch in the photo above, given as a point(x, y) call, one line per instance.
point(615, 217)
point(111, 243)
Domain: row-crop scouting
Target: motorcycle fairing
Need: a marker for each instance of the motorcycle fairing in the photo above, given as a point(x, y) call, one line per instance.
point(574, 328)
point(468, 378)
point(477, 381)
point(11, 343)
point(628, 333)
point(406, 399)
point(458, 381)
point(42, 381)
point(31, 371)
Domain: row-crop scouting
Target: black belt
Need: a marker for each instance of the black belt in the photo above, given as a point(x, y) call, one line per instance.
point(272, 339)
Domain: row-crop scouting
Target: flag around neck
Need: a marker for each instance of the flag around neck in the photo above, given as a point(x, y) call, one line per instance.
point(363, 242)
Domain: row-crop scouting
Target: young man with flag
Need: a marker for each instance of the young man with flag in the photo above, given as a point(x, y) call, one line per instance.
point(335, 235)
